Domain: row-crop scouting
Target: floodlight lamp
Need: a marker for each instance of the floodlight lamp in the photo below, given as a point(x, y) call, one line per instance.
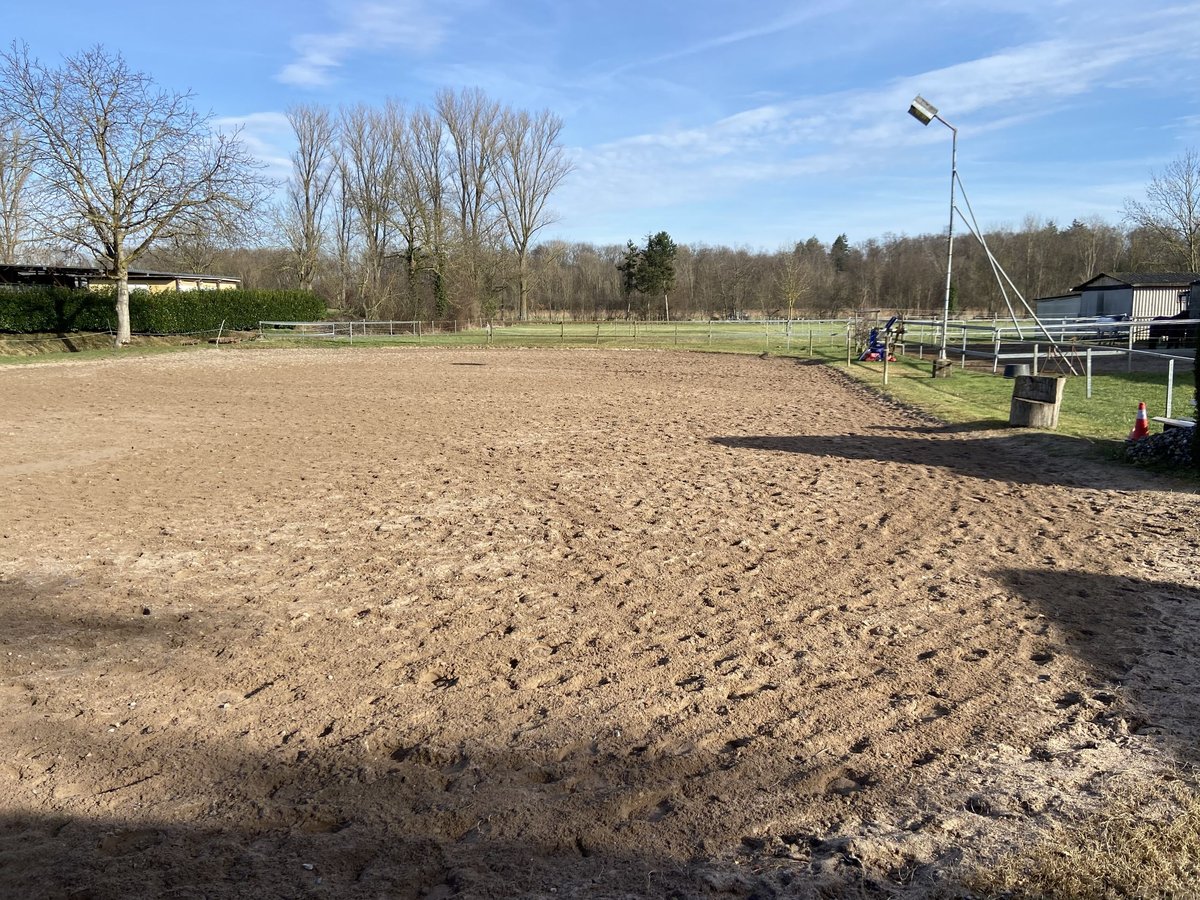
point(922, 110)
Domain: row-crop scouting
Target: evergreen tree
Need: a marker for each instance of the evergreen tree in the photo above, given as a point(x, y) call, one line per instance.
point(656, 269)
point(839, 252)
point(628, 267)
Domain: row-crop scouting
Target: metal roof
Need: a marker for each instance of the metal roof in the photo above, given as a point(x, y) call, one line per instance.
point(1145, 279)
point(8, 272)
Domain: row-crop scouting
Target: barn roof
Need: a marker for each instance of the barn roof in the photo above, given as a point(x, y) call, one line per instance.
point(1141, 279)
point(67, 275)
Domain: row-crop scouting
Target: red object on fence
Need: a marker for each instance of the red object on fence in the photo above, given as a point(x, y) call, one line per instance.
point(1141, 425)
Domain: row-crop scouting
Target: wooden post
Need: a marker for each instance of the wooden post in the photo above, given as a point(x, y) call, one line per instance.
point(1088, 366)
point(1170, 385)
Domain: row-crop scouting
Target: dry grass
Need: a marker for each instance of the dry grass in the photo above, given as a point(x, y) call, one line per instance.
point(1146, 844)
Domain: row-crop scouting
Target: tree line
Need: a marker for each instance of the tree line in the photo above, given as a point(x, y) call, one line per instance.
point(437, 212)
point(834, 278)
point(388, 211)
point(423, 212)
point(894, 272)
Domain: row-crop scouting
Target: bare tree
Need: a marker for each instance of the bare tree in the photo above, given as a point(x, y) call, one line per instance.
point(530, 167)
point(791, 280)
point(125, 164)
point(344, 225)
point(309, 188)
point(425, 178)
point(370, 179)
point(473, 124)
point(16, 189)
point(1171, 211)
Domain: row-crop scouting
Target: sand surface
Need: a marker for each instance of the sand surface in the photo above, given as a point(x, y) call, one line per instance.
point(419, 623)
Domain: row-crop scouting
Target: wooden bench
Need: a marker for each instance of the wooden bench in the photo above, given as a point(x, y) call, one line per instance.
point(1169, 423)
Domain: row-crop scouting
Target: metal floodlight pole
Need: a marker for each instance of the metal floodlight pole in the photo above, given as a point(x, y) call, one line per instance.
point(925, 112)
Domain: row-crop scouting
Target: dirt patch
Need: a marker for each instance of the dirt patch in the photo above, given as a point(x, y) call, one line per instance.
point(558, 623)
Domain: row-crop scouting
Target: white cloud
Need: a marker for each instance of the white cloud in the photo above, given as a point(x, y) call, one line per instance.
point(803, 145)
point(726, 39)
point(268, 136)
point(367, 27)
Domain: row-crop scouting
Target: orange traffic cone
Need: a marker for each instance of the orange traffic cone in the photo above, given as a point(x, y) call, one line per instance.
point(1141, 425)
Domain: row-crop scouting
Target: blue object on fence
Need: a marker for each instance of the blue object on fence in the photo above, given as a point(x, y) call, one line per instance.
point(876, 347)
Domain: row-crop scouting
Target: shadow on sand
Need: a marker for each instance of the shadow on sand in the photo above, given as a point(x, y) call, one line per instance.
point(1022, 458)
point(1137, 634)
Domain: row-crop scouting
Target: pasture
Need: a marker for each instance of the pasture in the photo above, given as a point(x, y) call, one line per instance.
point(418, 622)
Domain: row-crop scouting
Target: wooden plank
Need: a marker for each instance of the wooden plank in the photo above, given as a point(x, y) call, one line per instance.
point(1169, 423)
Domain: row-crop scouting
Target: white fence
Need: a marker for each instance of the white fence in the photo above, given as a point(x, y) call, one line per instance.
point(348, 329)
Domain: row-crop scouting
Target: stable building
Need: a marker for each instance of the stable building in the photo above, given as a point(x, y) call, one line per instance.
point(84, 277)
point(1137, 295)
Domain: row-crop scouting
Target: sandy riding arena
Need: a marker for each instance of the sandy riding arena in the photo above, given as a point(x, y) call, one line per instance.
point(420, 623)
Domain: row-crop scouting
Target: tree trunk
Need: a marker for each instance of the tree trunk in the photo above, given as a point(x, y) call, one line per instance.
point(666, 308)
point(1036, 400)
point(522, 289)
point(122, 308)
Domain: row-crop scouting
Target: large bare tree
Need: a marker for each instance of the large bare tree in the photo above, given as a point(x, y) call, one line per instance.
point(530, 167)
point(309, 189)
point(125, 164)
point(472, 121)
point(370, 173)
point(425, 179)
point(1171, 211)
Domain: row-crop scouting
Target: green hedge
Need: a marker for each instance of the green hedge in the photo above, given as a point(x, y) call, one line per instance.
point(61, 310)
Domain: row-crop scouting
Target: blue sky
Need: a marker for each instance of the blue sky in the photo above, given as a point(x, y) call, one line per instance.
point(753, 124)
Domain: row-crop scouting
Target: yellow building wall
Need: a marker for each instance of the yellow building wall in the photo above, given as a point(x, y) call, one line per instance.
point(174, 284)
